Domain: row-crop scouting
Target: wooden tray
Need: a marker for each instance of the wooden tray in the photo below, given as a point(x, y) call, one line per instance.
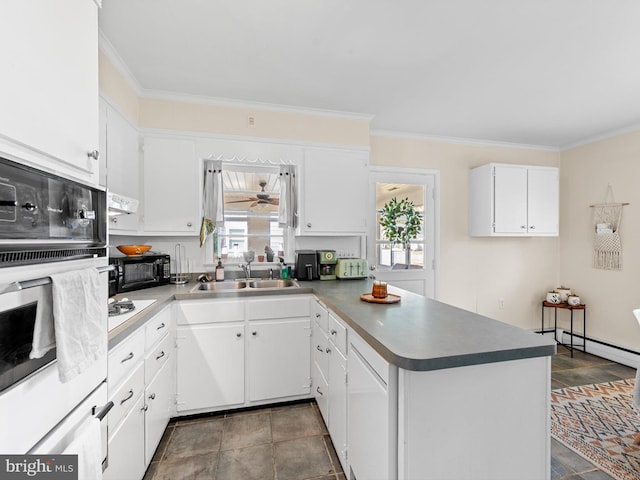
point(390, 298)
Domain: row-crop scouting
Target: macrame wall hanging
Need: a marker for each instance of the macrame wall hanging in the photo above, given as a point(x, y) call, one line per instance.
point(607, 247)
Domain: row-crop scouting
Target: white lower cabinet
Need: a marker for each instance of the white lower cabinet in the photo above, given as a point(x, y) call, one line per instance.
point(210, 366)
point(276, 353)
point(126, 448)
point(141, 385)
point(330, 375)
point(234, 353)
point(372, 421)
point(338, 402)
point(159, 402)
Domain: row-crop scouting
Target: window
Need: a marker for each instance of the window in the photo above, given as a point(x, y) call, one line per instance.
point(396, 256)
point(251, 202)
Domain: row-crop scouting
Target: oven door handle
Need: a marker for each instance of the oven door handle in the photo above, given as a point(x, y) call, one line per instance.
point(103, 411)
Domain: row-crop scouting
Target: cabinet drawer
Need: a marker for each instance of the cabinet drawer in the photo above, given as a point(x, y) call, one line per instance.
point(320, 315)
point(157, 327)
point(124, 357)
point(338, 334)
point(194, 312)
point(278, 307)
point(125, 397)
point(156, 358)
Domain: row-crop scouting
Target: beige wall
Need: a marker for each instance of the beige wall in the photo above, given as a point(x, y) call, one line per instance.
point(475, 273)
point(610, 296)
point(117, 89)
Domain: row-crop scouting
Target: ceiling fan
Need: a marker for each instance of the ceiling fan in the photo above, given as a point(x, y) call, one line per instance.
point(261, 198)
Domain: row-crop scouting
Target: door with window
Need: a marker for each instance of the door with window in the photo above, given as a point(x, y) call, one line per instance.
point(404, 199)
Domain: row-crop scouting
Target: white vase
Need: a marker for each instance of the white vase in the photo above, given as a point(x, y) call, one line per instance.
point(553, 297)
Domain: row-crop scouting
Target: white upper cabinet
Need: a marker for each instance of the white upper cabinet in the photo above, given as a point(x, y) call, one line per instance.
point(171, 186)
point(49, 94)
point(333, 192)
point(119, 163)
point(513, 200)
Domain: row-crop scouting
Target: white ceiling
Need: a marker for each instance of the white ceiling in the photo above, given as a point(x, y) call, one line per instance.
point(535, 72)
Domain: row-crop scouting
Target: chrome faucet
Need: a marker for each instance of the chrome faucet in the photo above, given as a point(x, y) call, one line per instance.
point(246, 269)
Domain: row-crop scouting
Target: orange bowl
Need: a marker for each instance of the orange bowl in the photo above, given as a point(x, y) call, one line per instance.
point(134, 249)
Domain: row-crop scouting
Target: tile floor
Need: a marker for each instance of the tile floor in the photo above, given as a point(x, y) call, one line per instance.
point(281, 442)
point(582, 369)
point(291, 441)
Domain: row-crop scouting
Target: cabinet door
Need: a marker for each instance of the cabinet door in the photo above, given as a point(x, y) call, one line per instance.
point(334, 192)
point(279, 359)
point(370, 441)
point(122, 164)
point(171, 187)
point(210, 366)
point(159, 399)
point(510, 197)
point(126, 447)
point(543, 201)
point(338, 403)
point(49, 93)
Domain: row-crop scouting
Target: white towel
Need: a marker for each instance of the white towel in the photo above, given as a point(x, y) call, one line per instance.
point(81, 337)
point(87, 444)
point(43, 332)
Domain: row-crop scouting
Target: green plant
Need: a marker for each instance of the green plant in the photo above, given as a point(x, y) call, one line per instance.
point(400, 221)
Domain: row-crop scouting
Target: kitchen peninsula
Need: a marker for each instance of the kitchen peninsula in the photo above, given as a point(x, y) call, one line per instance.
point(426, 381)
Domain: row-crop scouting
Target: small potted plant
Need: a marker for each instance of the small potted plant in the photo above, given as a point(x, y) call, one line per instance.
point(400, 223)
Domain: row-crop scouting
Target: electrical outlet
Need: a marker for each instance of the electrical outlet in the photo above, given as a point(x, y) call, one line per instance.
point(501, 303)
point(251, 121)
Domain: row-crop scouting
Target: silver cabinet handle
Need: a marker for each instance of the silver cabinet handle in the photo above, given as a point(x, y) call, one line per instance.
point(238, 335)
point(319, 348)
point(95, 154)
point(523, 227)
point(328, 350)
point(189, 224)
point(127, 358)
point(152, 396)
point(532, 227)
point(254, 333)
point(145, 408)
point(309, 225)
point(160, 356)
point(317, 315)
point(128, 397)
point(162, 325)
point(318, 390)
point(333, 332)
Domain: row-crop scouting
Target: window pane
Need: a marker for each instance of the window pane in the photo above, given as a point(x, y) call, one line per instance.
point(395, 256)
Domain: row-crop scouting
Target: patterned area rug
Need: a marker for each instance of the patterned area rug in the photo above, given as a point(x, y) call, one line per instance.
point(599, 423)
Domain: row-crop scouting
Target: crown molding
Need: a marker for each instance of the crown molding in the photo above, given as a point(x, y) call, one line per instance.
point(602, 136)
point(459, 140)
point(227, 102)
point(119, 64)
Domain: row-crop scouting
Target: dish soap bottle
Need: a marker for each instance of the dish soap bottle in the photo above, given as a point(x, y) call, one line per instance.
point(219, 272)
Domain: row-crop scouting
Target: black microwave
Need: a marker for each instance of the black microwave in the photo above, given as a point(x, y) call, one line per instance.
point(137, 272)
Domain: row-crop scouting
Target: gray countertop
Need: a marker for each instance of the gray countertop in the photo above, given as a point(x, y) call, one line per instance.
point(415, 334)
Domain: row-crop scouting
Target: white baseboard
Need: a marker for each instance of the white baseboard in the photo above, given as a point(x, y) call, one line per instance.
point(610, 352)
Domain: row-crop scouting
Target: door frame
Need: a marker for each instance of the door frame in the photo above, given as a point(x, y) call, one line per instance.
point(416, 176)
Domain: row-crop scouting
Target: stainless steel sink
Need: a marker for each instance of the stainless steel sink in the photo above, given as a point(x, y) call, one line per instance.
point(273, 283)
point(216, 286)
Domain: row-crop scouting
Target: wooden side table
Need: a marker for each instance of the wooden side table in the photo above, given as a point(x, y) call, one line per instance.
point(571, 308)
